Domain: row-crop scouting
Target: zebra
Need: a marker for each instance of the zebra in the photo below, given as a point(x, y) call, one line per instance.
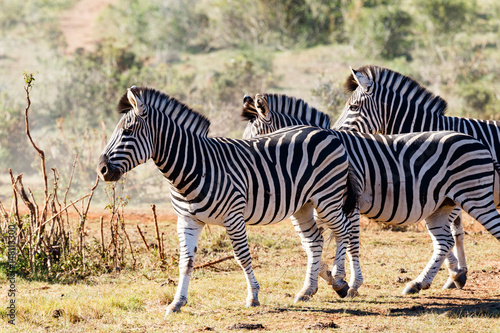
point(387, 102)
point(404, 179)
point(230, 183)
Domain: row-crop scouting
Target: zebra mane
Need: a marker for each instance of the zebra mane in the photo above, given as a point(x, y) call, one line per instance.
point(294, 107)
point(379, 74)
point(169, 106)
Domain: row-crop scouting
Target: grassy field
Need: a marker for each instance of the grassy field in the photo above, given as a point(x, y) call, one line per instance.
point(135, 300)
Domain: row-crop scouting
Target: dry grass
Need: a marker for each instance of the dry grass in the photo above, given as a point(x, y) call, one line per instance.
point(135, 301)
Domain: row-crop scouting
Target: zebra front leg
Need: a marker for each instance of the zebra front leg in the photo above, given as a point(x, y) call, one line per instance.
point(312, 242)
point(456, 268)
point(439, 229)
point(236, 229)
point(189, 232)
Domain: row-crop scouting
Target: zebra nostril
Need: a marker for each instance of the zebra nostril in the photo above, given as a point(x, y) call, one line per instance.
point(104, 170)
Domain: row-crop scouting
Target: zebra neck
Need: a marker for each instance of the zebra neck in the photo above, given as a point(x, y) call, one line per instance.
point(181, 156)
point(416, 121)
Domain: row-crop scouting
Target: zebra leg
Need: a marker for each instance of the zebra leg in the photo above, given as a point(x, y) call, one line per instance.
point(333, 217)
point(312, 242)
point(324, 271)
point(439, 229)
point(454, 280)
point(488, 216)
point(236, 229)
point(189, 232)
point(356, 279)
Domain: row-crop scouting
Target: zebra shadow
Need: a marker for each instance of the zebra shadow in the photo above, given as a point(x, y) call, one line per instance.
point(447, 306)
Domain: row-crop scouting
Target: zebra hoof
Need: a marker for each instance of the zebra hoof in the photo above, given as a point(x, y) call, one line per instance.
point(171, 310)
point(412, 288)
point(325, 274)
point(450, 284)
point(352, 293)
point(343, 291)
point(252, 303)
point(460, 280)
point(302, 298)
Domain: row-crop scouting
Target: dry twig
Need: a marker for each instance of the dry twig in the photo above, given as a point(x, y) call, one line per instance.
point(213, 262)
point(143, 239)
point(158, 239)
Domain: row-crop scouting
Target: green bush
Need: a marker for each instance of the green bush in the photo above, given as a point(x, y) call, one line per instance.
point(245, 73)
point(279, 24)
point(448, 16)
point(480, 101)
point(155, 25)
point(384, 31)
point(330, 97)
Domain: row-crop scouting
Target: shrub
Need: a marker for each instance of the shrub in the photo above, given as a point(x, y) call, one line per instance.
point(331, 98)
point(381, 31)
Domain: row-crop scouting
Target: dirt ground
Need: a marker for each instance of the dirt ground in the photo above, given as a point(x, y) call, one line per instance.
point(79, 23)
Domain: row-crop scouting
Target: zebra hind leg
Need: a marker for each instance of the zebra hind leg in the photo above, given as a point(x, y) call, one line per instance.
point(333, 217)
point(439, 228)
point(312, 242)
point(356, 279)
point(456, 263)
point(236, 229)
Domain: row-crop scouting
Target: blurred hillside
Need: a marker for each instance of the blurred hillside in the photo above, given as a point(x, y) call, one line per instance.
point(209, 53)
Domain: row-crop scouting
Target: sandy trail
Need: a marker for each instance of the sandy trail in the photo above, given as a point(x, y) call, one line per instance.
point(79, 23)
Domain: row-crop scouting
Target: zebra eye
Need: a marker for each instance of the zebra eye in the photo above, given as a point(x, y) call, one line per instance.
point(353, 107)
point(127, 131)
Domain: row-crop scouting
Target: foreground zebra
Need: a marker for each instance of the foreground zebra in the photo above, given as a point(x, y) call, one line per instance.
point(403, 178)
point(387, 102)
point(232, 182)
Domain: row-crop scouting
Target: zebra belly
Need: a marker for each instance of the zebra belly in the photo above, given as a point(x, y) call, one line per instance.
point(399, 207)
point(496, 188)
point(256, 212)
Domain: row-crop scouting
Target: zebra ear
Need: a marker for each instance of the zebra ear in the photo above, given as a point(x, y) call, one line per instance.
point(136, 103)
point(261, 106)
point(362, 80)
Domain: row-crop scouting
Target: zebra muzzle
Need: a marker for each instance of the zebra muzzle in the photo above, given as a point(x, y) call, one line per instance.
point(107, 171)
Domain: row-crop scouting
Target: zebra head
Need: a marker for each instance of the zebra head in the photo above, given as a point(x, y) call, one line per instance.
point(387, 102)
point(270, 112)
point(361, 112)
point(131, 143)
point(257, 112)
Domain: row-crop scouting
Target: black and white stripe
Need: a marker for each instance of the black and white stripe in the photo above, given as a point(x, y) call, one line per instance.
point(235, 182)
point(387, 102)
point(404, 179)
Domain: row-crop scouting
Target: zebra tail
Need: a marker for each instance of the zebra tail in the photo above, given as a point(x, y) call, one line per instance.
point(352, 194)
point(496, 165)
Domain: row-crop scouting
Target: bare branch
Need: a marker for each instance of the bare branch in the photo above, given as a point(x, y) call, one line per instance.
point(213, 262)
point(27, 88)
point(143, 239)
point(158, 239)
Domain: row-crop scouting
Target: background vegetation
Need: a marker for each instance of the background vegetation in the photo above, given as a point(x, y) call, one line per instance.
point(209, 53)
